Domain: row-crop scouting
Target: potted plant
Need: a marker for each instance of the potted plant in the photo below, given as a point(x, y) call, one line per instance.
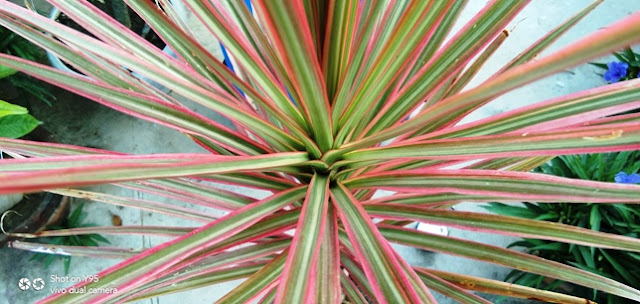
point(311, 104)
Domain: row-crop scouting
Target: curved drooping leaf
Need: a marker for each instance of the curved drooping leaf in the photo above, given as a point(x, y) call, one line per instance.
point(503, 288)
point(517, 186)
point(505, 257)
point(506, 225)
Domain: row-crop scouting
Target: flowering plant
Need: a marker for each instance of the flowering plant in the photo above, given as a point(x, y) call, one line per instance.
point(627, 67)
point(319, 87)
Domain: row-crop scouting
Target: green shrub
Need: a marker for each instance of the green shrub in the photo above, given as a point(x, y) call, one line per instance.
point(621, 219)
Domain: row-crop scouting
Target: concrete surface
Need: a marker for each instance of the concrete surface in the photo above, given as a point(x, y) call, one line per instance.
point(78, 121)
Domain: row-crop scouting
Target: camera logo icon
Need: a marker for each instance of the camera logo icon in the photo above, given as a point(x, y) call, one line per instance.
point(24, 284)
point(37, 284)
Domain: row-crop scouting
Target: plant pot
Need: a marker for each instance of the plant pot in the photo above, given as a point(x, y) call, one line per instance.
point(33, 213)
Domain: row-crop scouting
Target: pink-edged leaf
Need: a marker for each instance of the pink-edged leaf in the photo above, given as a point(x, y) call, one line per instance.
point(141, 106)
point(633, 117)
point(120, 168)
point(413, 30)
point(518, 186)
point(157, 66)
point(270, 227)
point(503, 288)
point(540, 45)
point(192, 190)
point(465, 77)
point(390, 283)
point(351, 291)
point(206, 278)
point(270, 296)
point(476, 34)
point(338, 42)
point(206, 64)
point(418, 284)
point(259, 253)
point(354, 269)
point(328, 265)
point(549, 38)
point(297, 277)
point(98, 69)
point(507, 225)
point(152, 206)
point(368, 15)
point(608, 39)
point(87, 251)
point(448, 289)
point(139, 270)
point(130, 230)
point(592, 139)
point(441, 32)
point(254, 286)
point(40, 149)
point(247, 57)
point(294, 44)
point(567, 111)
point(185, 45)
point(505, 257)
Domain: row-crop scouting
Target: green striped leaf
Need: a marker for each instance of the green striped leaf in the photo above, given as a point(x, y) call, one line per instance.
point(297, 277)
point(390, 282)
point(509, 258)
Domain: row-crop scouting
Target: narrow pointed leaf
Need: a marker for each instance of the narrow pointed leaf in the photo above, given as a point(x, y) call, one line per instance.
point(504, 288)
point(125, 171)
point(87, 251)
point(391, 285)
point(449, 289)
point(506, 225)
point(519, 186)
point(138, 270)
point(505, 257)
point(297, 52)
point(257, 282)
point(297, 277)
point(328, 265)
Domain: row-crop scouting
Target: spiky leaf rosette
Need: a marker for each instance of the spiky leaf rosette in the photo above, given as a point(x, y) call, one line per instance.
point(318, 87)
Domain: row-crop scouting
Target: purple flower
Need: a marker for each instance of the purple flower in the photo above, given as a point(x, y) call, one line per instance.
point(617, 70)
point(624, 178)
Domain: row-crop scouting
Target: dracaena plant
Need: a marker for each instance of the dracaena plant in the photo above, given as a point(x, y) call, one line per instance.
point(320, 102)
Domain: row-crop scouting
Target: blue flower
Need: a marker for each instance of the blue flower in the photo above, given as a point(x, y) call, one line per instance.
point(624, 178)
point(617, 70)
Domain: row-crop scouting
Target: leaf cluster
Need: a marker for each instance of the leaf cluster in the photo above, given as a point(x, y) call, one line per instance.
point(12, 44)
